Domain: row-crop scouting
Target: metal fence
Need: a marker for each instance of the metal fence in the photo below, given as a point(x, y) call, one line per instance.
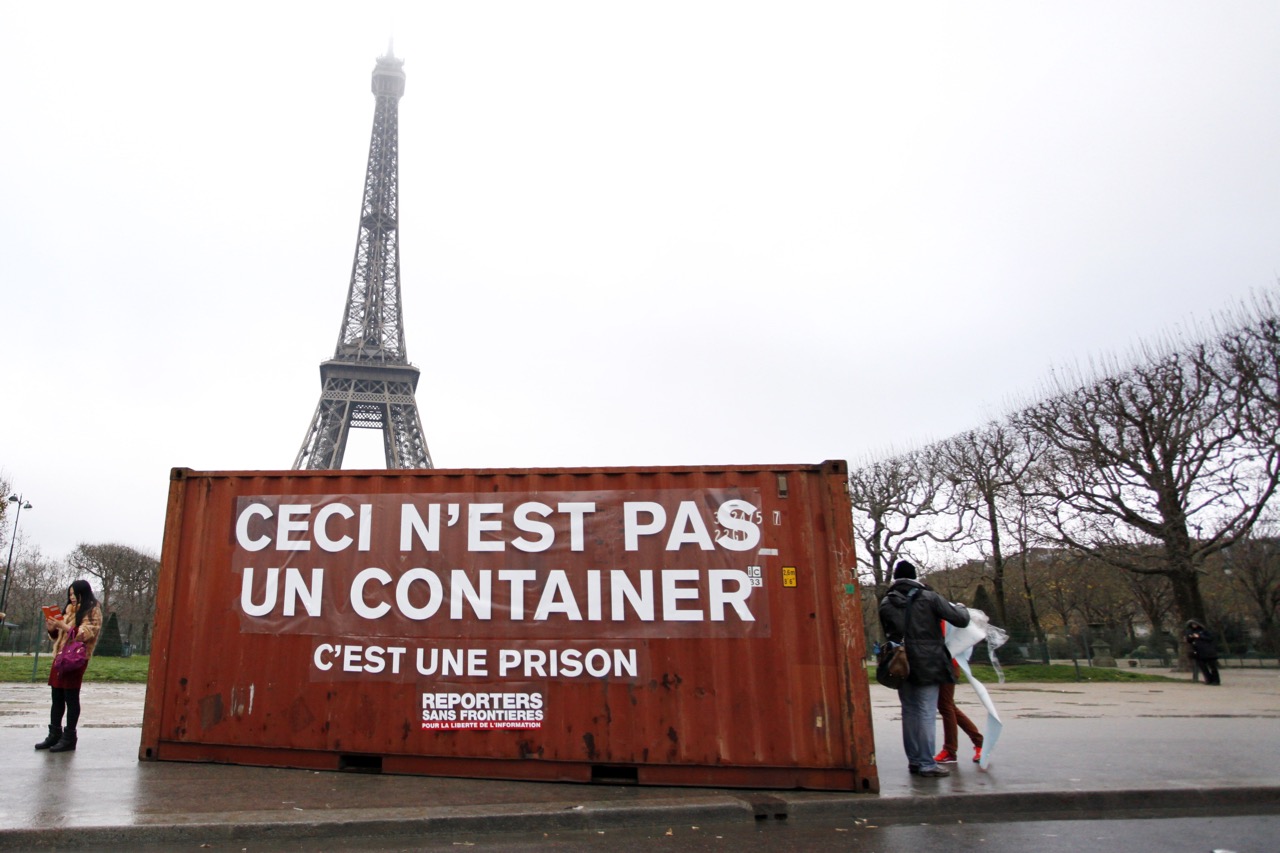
point(1088, 651)
point(25, 638)
point(1104, 647)
point(20, 639)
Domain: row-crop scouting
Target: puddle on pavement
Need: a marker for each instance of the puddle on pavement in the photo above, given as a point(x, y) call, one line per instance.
point(1215, 716)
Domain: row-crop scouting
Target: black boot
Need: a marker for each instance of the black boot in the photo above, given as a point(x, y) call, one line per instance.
point(67, 743)
point(55, 734)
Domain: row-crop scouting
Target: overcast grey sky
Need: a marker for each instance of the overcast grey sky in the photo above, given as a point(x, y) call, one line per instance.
point(660, 233)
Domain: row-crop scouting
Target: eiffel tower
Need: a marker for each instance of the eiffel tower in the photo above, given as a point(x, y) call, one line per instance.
point(369, 382)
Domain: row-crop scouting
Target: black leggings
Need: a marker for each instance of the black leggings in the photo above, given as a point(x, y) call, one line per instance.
point(65, 699)
point(1209, 666)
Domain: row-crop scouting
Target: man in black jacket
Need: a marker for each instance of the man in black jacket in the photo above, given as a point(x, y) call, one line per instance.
point(911, 612)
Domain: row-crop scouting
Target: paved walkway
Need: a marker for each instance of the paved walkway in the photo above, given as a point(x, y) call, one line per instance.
point(1067, 751)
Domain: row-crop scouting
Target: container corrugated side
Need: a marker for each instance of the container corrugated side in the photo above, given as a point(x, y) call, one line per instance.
point(676, 626)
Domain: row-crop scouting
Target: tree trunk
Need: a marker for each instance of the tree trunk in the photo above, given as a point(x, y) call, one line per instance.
point(1189, 605)
point(1041, 638)
point(997, 564)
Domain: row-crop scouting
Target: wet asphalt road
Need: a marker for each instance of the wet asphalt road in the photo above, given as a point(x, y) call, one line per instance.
point(1246, 834)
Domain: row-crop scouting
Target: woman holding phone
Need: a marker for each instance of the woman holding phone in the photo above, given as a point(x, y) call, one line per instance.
point(82, 620)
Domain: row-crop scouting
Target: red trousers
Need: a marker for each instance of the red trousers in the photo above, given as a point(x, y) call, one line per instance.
point(953, 716)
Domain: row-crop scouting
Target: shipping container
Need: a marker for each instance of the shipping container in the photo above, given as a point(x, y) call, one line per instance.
point(660, 626)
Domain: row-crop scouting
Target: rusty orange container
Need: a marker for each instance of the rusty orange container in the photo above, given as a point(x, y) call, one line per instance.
point(666, 626)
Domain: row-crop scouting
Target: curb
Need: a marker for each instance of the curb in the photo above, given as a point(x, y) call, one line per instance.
point(1049, 805)
point(354, 823)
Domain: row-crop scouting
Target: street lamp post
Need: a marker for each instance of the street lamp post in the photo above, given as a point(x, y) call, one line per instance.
point(22, 504)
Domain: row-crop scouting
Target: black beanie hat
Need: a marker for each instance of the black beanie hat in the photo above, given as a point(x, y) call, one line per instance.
point(904, 570)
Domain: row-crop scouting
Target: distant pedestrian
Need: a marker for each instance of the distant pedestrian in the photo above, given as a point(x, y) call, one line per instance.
point(911, 613)
point(81, 621)
point(1204, 652)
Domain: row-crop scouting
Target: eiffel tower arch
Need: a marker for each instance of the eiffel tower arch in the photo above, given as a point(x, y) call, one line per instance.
point(369, 383)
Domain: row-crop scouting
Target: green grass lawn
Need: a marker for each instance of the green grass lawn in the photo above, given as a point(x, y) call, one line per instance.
point(1051, 673)
point(1040, 672)
point(132, 670)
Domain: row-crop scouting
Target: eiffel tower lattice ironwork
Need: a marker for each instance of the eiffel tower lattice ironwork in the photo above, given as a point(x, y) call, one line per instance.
point(369, 382)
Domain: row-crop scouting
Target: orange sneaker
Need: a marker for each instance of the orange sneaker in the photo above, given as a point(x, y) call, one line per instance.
point(945, 757)
point(977, 754)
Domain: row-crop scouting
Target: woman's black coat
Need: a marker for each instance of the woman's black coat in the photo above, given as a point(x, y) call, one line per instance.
point(926, 649)
point(1201, 641)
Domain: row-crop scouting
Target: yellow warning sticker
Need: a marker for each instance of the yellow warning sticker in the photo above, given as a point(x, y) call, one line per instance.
point(788, 575)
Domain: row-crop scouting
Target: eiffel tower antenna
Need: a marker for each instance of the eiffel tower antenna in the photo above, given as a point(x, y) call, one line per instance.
point(369, 382)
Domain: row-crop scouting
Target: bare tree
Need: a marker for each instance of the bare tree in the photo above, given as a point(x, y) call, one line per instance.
point(1154, 597)
point(126, 584)
point(988, 469)
point(1104, 602)
point(1252, 567)
point(1251, 360)
point(898, 501)
point(31, 578)
point(1018, 517)
point(5, 532)
point(36, 580)
point(1157, 455)
point(1061, 584)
